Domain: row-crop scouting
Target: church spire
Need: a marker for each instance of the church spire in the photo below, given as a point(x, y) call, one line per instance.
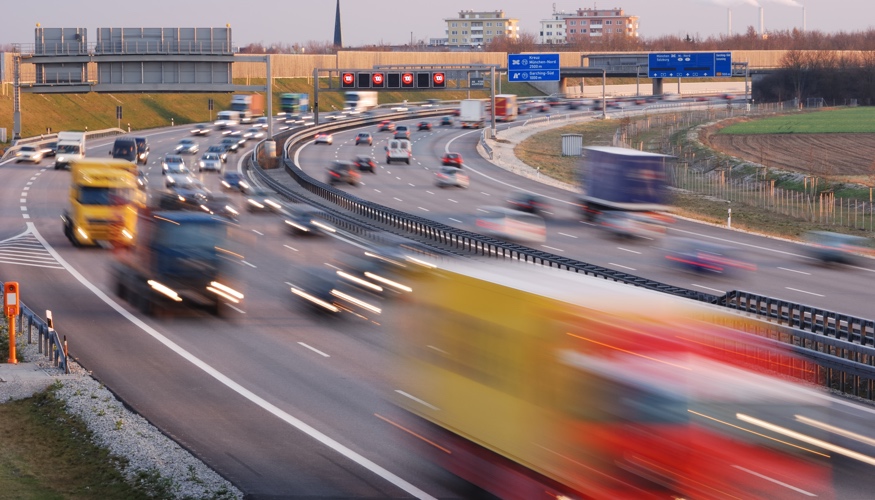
point(338, 39)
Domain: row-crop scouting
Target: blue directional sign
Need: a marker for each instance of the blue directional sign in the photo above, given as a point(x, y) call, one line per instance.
point(533, 67)
point(689, 65)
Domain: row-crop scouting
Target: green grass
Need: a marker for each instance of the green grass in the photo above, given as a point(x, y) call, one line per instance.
point(849, 120)
point(47, 454)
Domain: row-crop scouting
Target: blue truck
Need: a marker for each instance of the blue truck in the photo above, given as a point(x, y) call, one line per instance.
point(625, 190)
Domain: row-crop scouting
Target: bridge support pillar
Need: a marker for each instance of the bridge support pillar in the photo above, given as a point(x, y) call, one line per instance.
point(657, 86)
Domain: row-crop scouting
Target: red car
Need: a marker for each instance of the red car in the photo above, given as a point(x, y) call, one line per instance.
point(452, 159)
point(386, 126)
point(424, 126)
point(365, 164)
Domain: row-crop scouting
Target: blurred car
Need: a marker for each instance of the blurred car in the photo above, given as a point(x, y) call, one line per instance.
point(237, 135)
point(424, 126)
point(457, 112)
point(260, 200)
point(510, 224)
point(29, 153)
point(446, 121)
point(221, 205)
point(451, 177)
point(528, 202)
point(50, 149)
point(452, 159)
point(231, 144)
point(291, 118)
point(324, 290)
point(648, 225)
point(201, 129)
point(233, 181)
point(253, 133)
point(261, 122)
point(183, 181)
point(142, 180)
point(386, 126)
point(402, 132)
point(364, 138)
point(209, 162)
point(173, 164)
point(219, 150)
point(829, 247)
point(704, 257)
point(323, 138)
point(187, 146)
point(304, 219)
point(343, 172)
point(365, 164)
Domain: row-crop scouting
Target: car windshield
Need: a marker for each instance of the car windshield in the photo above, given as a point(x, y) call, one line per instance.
point(232, 176)
point(211, 156)
point(29, 149)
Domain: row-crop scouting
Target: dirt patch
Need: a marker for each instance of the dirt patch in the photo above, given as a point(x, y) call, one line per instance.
point(838, 156)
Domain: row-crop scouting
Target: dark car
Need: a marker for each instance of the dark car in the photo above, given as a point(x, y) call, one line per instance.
point(51, 149)
point(704, 257)
point(364, 138)
point(365, 164)
point(233, 181)
point(221, 205)
point(452, 159)
point(451, 177)
point(402, 132)
point(124, 148)
point(446, 121)
point(220, 150)
point(528, 202)
point(260, 200)
point(424, 126)
point(307, 220)
point(231, 144)
point(343, 172)
point(142, 150)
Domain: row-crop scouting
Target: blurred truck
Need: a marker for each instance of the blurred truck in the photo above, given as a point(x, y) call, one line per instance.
point(472, 113)
point(295, 103)
point(104, 201)
point(539, 383)
point(625, 189)
point(71, 147)
point(359, 102)
point(227, 119)
point(181, 259)
point(248, 106)
point(506, 107)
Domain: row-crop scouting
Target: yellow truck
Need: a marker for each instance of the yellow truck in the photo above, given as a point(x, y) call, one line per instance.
point(538, 383)
point(104, 203)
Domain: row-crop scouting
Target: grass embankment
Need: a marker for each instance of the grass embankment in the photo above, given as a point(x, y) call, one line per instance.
point(835, 121)
point(47, 454)
point(543, 150)
point(40, 112)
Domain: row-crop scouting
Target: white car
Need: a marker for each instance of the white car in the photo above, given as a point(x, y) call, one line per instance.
point(187, 146)
point(253, 133)
point(210, 162)
point(323, 138)
point(29, 153)
point(201, 129)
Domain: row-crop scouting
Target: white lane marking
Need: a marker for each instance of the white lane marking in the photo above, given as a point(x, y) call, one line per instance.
point(233, 385)
point(257, 232)
point(377, 190)
point(482, 210)
point(23, 208)
point(624, 267)
point(568, 235)
point(485, 193)
point(553, 248)
point(27, 188)
point(22, 200)
point(794, 271)
point(450, 199)
point(708, 288)
point(399, 178)
point(410, 184)
point(29, 183)
point(429, 192)
point(414, 398)
point(767, 478)
point(248, 264)
point(548, 213)
point(455, 220)
point(396, 198)
point(290, 248)
point(317, 351)
point(25, 216)
point(628, 250)
point(836, 430)
point(424, 209)
point(803, 291)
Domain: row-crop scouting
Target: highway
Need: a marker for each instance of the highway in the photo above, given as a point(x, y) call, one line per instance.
point(285, 403)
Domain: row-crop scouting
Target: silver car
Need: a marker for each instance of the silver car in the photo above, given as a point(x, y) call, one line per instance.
point(210, 162)
point(187, 146)
point(451, 177)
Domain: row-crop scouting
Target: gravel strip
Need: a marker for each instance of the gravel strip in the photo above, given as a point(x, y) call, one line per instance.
point(123, 433)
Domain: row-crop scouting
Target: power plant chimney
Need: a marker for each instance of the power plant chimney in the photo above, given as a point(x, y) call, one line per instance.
point(762, 24)
point(803, 19)
point(729, 22)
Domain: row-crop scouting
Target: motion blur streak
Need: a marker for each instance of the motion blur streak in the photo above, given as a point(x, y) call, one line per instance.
point(757, 433)
point(628, 352)
point(836, 430)
point(405, 429)
point(807, 439)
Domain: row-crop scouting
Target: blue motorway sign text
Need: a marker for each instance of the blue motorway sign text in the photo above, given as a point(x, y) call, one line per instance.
point(689, 64)
point(532, 67)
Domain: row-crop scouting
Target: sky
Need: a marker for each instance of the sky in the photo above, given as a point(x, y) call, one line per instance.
point(370, 22)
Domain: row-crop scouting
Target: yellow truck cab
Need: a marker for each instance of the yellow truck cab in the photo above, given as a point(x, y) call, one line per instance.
point(104, 202)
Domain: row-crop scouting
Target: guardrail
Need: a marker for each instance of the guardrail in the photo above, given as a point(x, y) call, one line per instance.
point(840, 346)
point(49, 341)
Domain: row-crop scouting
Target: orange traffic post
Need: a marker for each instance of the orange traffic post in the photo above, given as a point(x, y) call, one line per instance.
point(11, 308)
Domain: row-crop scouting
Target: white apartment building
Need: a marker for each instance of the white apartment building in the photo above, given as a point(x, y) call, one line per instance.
point(474, 28)
point(553, 29)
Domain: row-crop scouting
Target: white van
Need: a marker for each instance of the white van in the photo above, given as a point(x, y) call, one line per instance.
point(399, 150)
point(510, 224)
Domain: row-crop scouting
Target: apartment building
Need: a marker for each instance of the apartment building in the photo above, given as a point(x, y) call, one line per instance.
point(473, 28)
point(600, 22)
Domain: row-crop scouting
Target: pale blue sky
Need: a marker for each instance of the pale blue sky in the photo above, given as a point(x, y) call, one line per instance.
point(393, 21)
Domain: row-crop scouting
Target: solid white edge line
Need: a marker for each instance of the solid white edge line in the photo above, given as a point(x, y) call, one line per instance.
point(231, 384)
point(414, 398)
point(317, 351)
